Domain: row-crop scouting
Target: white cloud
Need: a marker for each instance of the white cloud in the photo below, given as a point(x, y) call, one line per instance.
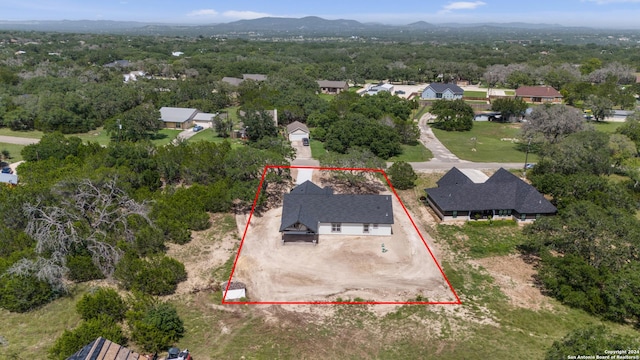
point(462, 5)
point(203, 12)
point(244, 15)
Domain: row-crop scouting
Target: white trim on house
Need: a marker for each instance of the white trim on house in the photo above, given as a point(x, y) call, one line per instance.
point(355, 229)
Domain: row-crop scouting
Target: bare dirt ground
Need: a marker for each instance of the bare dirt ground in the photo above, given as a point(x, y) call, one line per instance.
point(207, 250)
point(339, 266)
point(515, 278)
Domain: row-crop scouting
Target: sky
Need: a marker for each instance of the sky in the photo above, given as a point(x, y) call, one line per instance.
point(591, 13)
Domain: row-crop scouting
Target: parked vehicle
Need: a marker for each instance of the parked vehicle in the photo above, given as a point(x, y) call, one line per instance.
point(197, 128)
point(305, 141)
point(529, 166)
point(7, 170)
point(176, 354)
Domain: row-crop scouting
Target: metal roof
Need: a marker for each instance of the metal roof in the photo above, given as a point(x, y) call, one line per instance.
point(177, 115)
point(439, 88)
point(538, 91)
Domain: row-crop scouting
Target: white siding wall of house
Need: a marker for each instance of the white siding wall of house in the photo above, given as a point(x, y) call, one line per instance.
point(355, 229)
point(298, 135)
point(428, 93)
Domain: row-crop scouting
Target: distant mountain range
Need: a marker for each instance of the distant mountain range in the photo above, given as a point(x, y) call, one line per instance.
point(267, 25)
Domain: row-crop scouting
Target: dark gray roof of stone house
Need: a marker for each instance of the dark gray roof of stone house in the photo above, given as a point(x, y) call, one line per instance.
point(502, 191)
point(309, 205)
point(440, 88)
point(454, 177)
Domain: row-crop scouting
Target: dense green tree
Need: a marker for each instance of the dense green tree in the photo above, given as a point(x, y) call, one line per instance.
point(72, 341)
point(357, 131)
point(157, 327)
point(22, 293)
point(509, 107)
point(590, 65)
point(622, 148)
point(631, 128)
point(452, 115)
point(402, 175)
point(101, 302)
point(139, 123)
point(158, 275)
point(258, 124)
point(53, 145)
point(600, 107)
point(587, 341)
point(582, 152)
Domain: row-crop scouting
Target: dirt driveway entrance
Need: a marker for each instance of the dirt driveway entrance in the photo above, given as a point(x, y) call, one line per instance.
point(340, 266)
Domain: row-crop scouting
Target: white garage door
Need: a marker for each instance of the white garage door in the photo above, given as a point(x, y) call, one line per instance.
point(297, 136)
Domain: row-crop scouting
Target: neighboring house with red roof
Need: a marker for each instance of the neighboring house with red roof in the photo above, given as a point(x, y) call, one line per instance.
point(539, 94)
point(502, 196)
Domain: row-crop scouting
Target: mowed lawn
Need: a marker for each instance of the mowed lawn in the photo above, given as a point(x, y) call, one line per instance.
point(486, 142)
point(211, 136)
point(14, 151)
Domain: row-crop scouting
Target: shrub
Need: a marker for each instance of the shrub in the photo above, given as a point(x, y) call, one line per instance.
point(82, 268)
point(72, 341)
point(159, 275)
point(102, 302)
point(590, 341)
point(24, 293)
point(158, 328)
point(402, 175)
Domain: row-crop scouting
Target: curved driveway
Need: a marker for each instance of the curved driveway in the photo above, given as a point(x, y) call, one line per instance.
point(443, 159)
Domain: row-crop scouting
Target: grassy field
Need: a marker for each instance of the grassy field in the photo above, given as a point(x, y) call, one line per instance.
point(326, 97)
point(485, 138)
point(210, 135)
point(608, 127)
point(14, 151)
point(317, 149)
point(413, 153)
point(477, 94)
point(510, 92)
point(98, 135)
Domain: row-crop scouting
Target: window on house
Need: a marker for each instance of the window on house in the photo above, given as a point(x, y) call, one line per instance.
point(455, 214)
point(375, 226)
point(523, 216)
point(336, 227)
point(365, 228)
point(509, 212)
point(178, 126)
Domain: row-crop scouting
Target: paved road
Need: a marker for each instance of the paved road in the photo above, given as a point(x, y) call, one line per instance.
point(18, 140)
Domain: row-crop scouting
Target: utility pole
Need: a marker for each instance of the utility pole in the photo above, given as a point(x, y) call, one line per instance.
point(119, 129)
point(526, 159)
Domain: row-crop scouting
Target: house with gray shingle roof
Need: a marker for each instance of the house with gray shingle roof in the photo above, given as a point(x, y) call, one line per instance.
point(309, 211)
point(439, 91)
point(502, 196)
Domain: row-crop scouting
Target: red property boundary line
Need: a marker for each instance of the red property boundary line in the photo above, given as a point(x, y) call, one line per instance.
point(380, 171)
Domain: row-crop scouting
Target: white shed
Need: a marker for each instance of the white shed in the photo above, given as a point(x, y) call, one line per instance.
point(237, 290)
point(297, 131)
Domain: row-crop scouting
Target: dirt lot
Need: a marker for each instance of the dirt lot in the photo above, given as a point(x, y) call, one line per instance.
point(339, 266)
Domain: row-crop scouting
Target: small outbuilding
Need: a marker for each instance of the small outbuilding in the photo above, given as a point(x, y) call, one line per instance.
point(104, 349)
point(237, 290)
point(297, 131)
